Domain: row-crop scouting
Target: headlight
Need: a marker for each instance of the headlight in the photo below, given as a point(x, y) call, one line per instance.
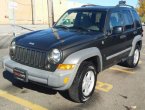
point(54, 56)
point(12, 48)
point(13, 45)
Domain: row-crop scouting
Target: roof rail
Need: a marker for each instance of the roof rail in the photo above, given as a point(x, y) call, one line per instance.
point(123, 4)
point(87, 5)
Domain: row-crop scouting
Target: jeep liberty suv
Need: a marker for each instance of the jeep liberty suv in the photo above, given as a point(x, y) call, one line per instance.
point(84, 42)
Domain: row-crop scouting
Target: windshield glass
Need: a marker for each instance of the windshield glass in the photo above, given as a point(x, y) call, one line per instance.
point(84, 20)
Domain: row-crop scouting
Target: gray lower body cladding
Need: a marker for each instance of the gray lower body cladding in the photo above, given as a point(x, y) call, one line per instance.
point(55, 80)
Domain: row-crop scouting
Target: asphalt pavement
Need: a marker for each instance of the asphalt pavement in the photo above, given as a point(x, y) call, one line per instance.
point(118, 88)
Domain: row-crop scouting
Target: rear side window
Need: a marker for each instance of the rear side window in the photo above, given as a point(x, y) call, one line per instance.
point(115, 20)
point(128, 21)
point(136, 19)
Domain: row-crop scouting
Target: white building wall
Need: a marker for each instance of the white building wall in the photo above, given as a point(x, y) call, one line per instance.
point(23, 13)
point(61, 6)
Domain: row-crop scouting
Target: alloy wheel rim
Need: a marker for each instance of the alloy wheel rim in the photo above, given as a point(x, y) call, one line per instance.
point(136, 56)
point(88, 83)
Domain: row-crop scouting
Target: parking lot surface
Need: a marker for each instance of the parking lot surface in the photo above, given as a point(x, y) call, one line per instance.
point(118, 88)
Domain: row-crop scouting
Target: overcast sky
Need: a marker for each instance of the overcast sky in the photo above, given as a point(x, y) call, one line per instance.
point(107, 2)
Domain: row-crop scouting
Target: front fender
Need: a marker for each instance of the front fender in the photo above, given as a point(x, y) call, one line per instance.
point(77, 58)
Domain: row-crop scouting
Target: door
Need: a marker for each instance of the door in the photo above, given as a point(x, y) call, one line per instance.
point(114, 43)
point(129, 28)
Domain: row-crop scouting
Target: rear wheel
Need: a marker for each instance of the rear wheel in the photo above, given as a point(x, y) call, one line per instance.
point(84, 83)
point(132, 61)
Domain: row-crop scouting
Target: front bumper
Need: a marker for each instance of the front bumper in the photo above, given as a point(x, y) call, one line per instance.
point(54, 80)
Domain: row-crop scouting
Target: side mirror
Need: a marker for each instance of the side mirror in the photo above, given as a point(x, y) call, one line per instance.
point(118, 30)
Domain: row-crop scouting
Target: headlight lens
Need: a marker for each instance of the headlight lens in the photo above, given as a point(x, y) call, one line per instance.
point(12, 48)
point(55, 56)
point(13, 45)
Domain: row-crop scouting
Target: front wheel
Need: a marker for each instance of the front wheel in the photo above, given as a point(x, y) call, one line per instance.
point(84, 83)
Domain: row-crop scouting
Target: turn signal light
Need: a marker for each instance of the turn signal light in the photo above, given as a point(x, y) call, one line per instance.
point(65, 66)
point(66, 80)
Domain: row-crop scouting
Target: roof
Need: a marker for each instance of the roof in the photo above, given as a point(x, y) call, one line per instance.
point(104, 8)
point(97, 7)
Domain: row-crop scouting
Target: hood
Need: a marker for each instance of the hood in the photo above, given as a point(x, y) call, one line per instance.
point(52, 38)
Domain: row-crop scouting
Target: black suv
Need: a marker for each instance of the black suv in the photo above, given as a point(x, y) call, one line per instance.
point(83, 42)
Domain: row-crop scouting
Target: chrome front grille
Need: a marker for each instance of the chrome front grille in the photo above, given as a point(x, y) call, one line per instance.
point(30, 57)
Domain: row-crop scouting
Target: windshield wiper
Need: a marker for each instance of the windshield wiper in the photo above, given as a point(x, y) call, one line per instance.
point(92, 30)
point(61, 26)
point(80, 28)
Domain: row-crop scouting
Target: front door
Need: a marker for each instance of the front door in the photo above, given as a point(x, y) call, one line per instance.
point(114, 43)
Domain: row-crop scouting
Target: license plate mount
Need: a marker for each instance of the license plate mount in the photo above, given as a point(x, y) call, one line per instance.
point(20, 74)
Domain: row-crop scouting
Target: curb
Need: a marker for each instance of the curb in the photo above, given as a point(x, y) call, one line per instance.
point(9, 34)
point(5, 34)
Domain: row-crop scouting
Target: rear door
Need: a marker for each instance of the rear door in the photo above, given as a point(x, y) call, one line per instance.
point(138, 25)
point(129, 29)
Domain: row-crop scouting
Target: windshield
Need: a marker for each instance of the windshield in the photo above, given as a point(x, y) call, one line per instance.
point(84, 20)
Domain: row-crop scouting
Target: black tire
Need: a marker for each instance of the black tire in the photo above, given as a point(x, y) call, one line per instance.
point(75, 91)
point(130, 61)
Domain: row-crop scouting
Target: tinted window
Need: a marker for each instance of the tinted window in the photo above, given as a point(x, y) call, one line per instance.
point(136, 18)
point(86, 20)
point(115, 20)
point(128, 21)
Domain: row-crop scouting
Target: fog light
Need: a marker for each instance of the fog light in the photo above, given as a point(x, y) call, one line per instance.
point(48, 66)
point(65, 66)
point(66, 80)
